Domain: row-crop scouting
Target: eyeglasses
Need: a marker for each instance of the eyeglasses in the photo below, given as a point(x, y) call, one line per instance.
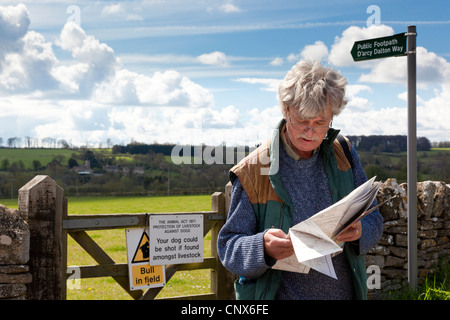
point(303, 126)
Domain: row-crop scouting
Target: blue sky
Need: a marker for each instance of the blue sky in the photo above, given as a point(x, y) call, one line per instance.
point(172, 71)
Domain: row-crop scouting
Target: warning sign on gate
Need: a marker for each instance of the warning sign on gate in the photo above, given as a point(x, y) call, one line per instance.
point(141, 254)
point(176, 239)
point(141, 274)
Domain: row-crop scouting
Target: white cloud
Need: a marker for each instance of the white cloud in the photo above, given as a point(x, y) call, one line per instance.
point(430, 69)
point(112, 9)
point(361, 118)
point(270, 85)
point(353, 90)
point(229, 8)
point(171, 89)
point(71, 76)
point(314, 52)
point(432, 119)
point(90, 96)
point(157, 59)
point(94, 72)
point(14, 22)
point(120, 89)
point(386, 121)
point(74, 120)
point(267, 118)
point(140, 124)
point(167, 88)
point(433, 116)
point(216, 58)
point(317, 51)
point(95, 59)
point(210, 126)
point(356, 103)
point(277, 62)
point(176, 125)
point(404, 96)
point(26, 59)
point(228, 117)
point(257, 128)
point(71, 37)
point(82, 99)
point(119, 11)
point(340, 50)
point(294, 57)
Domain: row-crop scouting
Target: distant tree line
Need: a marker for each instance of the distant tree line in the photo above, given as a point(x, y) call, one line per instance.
point(31, 142)
point(441, 144)
point(146, 169)
point(142, 148)
point(379, 143)
point(48, 142)
point(165, 149)
point(394, 144)
point(137, 174)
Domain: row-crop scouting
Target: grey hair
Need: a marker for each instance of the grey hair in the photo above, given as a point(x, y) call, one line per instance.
point(308, 86)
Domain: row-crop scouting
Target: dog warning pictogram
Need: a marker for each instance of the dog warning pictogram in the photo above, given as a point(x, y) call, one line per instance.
point(142, 251)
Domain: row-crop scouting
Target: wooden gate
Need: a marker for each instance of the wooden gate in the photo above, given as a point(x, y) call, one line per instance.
point(42, 204)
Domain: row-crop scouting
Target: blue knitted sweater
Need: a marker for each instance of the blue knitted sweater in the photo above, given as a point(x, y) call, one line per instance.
point(241, 247)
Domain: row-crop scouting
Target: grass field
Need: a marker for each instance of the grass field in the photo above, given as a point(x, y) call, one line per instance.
point(440, 149)
point(27, 156)
point(113, 243)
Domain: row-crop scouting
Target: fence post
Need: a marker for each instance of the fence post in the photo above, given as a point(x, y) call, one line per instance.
point(218, 275)
point(42, 205)
point(228, 190)
point(230, 276)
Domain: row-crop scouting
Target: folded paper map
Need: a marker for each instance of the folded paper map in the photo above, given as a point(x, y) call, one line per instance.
point(313, 239)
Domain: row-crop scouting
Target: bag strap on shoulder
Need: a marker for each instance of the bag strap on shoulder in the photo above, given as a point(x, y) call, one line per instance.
point(346, 149)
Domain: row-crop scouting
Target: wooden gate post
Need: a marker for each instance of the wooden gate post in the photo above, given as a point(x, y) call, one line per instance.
point(218, 275)
point(230, 278)
point(43, 206)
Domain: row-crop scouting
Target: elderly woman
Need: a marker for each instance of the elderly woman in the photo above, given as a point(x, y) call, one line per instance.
point(309, 170)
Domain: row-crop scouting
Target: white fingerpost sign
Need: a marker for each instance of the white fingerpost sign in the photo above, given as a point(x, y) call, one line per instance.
point(176, 239)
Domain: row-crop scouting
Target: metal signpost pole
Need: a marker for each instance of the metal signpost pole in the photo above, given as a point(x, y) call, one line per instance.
point(395, 46)
point(412, 159)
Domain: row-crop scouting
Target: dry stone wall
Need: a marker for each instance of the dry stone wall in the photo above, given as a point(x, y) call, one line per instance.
point(14, 254)
point(433, 231)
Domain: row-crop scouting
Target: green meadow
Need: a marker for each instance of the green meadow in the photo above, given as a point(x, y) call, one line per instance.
point(44, 156)
point(113, 242)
